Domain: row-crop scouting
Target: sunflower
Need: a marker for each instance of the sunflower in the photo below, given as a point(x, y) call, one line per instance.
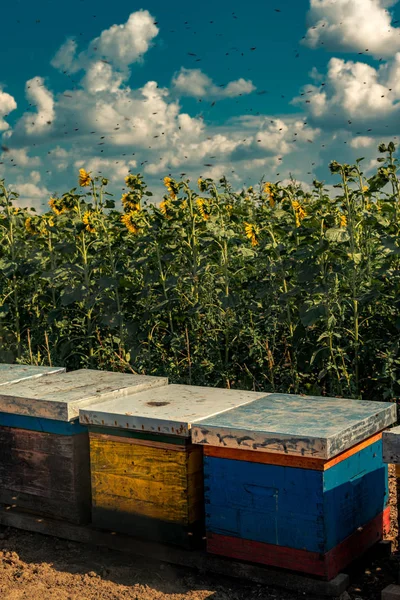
point(129, 221)
point(299, 211)
point(202, 184)
point(164, 207)
point(171, 186)
point(343, 221)
point(132, 181)
point(203, 208)
point(84, 178)
point(270, 195)
point(87, 220)
point(251, 233)
point(29, 226)
point(57, 206)
point(129, 203)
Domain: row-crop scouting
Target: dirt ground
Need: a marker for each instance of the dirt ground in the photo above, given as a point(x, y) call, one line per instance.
point(36, 567)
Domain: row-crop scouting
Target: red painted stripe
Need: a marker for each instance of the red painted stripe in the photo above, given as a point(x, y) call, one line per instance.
point(324, 565)
point(284, 460)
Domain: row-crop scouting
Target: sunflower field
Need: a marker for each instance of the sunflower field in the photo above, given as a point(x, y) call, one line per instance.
point(271, 288)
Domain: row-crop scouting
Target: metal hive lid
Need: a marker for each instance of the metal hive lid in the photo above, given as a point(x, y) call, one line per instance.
point(310, 426)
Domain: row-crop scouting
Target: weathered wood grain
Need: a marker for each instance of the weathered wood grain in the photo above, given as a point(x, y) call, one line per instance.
point(292, 425)
point(45, 473)
point(391, 446)
point(157, 482)
point(168, 410)
point(60, 397)
point(15, 373)
point(326, 565)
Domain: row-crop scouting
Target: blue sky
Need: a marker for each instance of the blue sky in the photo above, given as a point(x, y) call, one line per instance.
point(171, 87)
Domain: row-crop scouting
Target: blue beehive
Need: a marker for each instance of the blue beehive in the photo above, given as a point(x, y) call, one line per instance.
point(296, 482)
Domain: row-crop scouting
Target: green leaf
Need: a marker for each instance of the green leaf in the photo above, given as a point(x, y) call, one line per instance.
point(334, 234)
point(70, 295)
point(311, 315)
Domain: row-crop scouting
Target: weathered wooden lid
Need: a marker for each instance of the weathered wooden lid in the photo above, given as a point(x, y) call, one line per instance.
point(60, 397)
point(310, 426)
point(168, 410)
point(391, 446)
point(15, 373)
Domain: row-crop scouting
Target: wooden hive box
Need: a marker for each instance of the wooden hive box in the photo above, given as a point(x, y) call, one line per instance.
point(296, 482)
point(44, 451)
point(147, 476)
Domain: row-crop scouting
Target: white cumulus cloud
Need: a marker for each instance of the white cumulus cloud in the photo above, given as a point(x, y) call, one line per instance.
point(193, 82)
point(7, 105)
point(121, 45)
point(368, 97)
point(353, 26)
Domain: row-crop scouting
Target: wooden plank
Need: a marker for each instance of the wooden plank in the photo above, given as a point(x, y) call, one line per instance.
point(137, 441)
point(326, 565)
point(15, 373)
point(290, 424)
point(136, 435)
point(60, 397)
point(44, 425)
point(168, 410)
point(391, 445)
point(206, 563)
point(131, 478)
point(45, 473)
point(284, 460)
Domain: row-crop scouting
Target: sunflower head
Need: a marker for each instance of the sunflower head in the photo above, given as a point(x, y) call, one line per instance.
point(57, 206)
point(129, 221)
point(88, 221)
point(84, 178)
point(251, 233)
point(299, 212)
point(165, 206)
point(270, 195)
point(30, 226)
point(202, 184)
point(203, 208)
point(171, 186)
point(133, 181)
point(130, 203)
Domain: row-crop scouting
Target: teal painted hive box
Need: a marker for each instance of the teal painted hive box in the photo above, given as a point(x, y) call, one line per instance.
point(296, 482)
point(44, 451)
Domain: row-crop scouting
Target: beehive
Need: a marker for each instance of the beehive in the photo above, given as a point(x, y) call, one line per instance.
point(44, 451)
point(147, 477)
point(296, 482)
